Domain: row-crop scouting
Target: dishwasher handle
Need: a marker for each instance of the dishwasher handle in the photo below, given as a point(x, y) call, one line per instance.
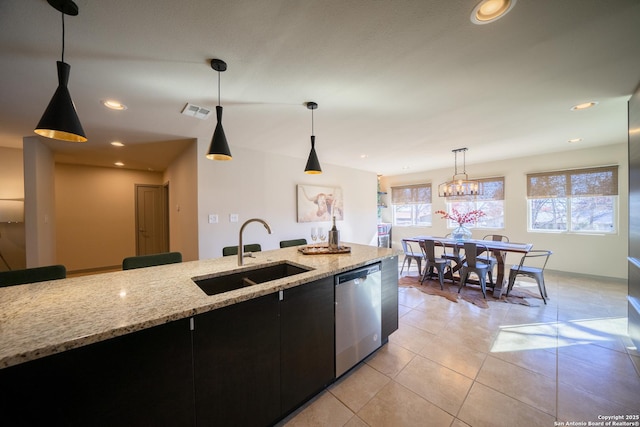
point(360, 273)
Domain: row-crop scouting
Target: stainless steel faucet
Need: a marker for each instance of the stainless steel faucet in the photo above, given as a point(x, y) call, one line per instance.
point(241, 255)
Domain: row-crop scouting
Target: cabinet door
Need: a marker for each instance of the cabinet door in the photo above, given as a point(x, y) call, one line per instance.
point(237, 364)
point(140, 379)
point(389, 297)
point(307, 341)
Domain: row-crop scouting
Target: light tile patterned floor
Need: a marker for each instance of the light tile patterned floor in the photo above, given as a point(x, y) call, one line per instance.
point(454, 364)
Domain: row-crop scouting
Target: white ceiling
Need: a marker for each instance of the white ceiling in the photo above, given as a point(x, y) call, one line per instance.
point(401, 81)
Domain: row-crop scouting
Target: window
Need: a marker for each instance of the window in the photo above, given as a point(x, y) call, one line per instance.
point(411, 205)
point(581, 200)
point(491, 203)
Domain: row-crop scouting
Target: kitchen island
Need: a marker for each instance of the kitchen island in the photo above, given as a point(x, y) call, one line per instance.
point(152, 336)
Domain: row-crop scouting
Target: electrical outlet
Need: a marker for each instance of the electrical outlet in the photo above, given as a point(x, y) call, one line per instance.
point(213, 219)
point(233, 217)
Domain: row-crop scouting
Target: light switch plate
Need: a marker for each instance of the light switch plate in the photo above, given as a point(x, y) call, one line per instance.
point(213, 219)
point(233, 217)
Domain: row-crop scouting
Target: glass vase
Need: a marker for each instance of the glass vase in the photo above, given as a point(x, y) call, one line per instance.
point(461, 233)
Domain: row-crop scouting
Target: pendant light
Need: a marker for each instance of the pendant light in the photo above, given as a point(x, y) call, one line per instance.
point(460, 185)
point(60, 119)
point(219, 149)
point(313, 165)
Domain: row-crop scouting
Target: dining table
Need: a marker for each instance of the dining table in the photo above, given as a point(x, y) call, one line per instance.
point(497, 249)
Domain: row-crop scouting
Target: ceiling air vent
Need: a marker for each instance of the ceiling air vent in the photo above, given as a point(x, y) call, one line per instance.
point(197, 112)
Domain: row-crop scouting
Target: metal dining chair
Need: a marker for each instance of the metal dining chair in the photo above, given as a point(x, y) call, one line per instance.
point(496, 238)
point(536, 273)
point(439, 264)
point(455, 255)
point(474, 263)
point(410, 254)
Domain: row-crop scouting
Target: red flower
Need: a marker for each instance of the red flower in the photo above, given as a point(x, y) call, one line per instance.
point(461, 218)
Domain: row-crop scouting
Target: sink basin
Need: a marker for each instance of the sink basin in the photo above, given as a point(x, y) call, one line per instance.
point(231, 281)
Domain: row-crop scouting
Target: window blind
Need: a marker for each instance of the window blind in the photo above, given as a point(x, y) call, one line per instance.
point(411, 194)
point(491, 188)
point(598, 181)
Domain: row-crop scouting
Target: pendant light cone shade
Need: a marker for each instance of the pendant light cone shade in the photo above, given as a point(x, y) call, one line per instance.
point(60, 119)
point(313, 165)
point(219, 149)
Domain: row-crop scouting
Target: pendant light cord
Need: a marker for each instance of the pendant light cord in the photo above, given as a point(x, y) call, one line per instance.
point(62, 34)
point(218, 87)
point(312, 132)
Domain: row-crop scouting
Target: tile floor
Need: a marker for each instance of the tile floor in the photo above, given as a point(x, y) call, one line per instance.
point(454, 364)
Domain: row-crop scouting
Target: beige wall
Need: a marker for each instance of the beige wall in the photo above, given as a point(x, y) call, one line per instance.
point(95, 209)
point(262, 185)
point(600, 255)
point(182, 176)
point(12, 237)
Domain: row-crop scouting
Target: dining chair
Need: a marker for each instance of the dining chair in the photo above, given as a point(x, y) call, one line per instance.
point(455, 255)
point(293, 242)
point(496, 238)
point(411, 254)
point(439, 264)
point(233, 250)
point(474, 263)
point(534, 272)
point(32, 275)
point(141, 261)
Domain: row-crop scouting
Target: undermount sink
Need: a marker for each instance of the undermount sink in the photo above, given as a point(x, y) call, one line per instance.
point(230, 281)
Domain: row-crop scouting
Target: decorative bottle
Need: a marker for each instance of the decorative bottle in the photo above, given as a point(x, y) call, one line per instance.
point(334, 237)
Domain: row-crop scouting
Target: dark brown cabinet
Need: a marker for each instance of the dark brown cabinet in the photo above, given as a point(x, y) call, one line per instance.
point(236, 363)
point(257, 360)
point(140, 379)
point(306, 342)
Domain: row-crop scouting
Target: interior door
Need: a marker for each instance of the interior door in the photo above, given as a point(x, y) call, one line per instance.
point(152, 234)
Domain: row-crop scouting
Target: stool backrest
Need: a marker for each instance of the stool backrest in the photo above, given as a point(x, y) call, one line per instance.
point(32, 275)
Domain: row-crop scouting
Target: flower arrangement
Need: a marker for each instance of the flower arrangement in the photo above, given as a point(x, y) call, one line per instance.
point(462, 218)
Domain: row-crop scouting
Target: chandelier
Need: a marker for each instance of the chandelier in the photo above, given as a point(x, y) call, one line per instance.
point(460, 185)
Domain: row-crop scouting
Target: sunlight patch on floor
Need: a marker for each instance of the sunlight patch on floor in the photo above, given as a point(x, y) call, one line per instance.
point(559, 334)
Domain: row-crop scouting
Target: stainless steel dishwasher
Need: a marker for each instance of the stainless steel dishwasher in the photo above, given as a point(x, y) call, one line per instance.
point(358, 315)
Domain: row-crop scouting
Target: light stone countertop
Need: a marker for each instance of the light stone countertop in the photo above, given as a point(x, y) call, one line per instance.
point(45, 318)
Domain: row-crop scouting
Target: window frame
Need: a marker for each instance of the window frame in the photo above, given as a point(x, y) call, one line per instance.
point(417, 198)
point(568, 186)
point(496, 195)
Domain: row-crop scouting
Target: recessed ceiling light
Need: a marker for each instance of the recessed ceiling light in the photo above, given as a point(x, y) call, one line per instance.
point(119, 164)
point(584, 106)
point(364, 156)
point(117, 144)
point(404, 168)
point(113, 105)
point(491, 10)
point(572, 140)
